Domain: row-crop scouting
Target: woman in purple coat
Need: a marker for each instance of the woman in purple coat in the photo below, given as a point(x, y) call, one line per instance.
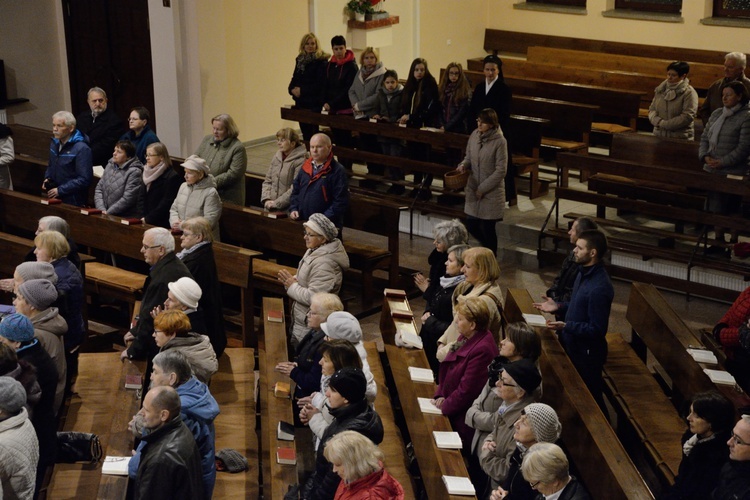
point(463, 373)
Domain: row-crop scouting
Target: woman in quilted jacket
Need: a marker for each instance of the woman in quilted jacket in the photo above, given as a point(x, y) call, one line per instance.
point(119, 190)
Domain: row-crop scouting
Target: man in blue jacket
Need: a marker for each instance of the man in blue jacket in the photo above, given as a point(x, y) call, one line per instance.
point(70, 171)
point(321, 186)
point(583, 333)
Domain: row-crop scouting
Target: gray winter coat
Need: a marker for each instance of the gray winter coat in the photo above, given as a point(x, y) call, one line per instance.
point(487, 159)
point(118, 191)
point(733, 145)
point(199, 352)
point(280, 177)
point(480, 417)
point(673, 114)
point(19, 454)
point(50, 328)
point(228, 163)
point(199, 200)
point(364, 92)
point(320, 270)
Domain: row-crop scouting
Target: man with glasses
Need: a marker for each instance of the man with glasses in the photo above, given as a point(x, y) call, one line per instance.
point(101, 125)
point(734, 479)
point(158, 252)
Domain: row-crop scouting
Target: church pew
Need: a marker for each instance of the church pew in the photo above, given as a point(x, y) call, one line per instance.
point(651, 150)
point(701, 75)
point(605, 468)
point(107, 233)
point(396, 458)
point(273, 349)
point(516, 42)
point(233, 387)
point(658, 328)
point(433, 461)
point(104, 407)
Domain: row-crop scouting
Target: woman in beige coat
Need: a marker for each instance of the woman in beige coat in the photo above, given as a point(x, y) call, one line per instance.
point(482, 272)
point(487, 160)
point(285, 165)
point(320, 270)
point(197, 196)
point(672, 111)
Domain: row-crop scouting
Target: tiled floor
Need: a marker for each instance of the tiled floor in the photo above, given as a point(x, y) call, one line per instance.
point(517, 257)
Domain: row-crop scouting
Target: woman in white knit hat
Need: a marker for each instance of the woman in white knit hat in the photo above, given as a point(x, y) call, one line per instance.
point(197, 197)
point(320, 270)
point(538, 424)
point(184, 295)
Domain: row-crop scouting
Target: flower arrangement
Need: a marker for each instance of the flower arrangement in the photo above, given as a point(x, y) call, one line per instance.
point(359, 6)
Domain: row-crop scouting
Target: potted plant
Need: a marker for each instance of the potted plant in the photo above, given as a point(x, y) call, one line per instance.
point(377, 11)
point(359, 8)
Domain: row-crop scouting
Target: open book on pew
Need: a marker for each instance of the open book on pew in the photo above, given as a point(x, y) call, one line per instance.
point(720, 377)
point(448, 440)
point(535, 319)
point(410, 339)
point(421, 375)
point(703, 356)
point(427, 406)
point(457, 485)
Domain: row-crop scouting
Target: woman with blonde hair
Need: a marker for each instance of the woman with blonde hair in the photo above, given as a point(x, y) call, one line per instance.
point(172, 330)
point(160, 185)
point(545, 468)
point(359, 463)
point(482, 272)
point(308, 79)
point(285, 165)
point(363, 94)
point(226, 158)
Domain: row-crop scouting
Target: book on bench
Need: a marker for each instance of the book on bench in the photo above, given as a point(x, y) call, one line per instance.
point(286, 456)
point(90, 211)
point(720, 377)
point(703, 356)
point(457, 485)
point(427, 406)
point(133, 381)
point(394, 293)
point(281, 389)
point(535, 319)
point(400, 311)
point(275, 316)
point(421, 375)
point(51, 201)
point(285, 431)
point(131, 221)
point(115, 466)
point(275, 214)
point(410, 339)
point(447, 440)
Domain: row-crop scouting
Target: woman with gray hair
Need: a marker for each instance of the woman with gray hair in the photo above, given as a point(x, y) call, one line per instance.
point(226, 158)
point(55, 223)
point(447, 234)
point(320, 270)
point(538, 424)
point(545, 467)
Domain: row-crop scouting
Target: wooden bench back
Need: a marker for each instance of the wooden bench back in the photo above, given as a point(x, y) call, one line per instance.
point(651, 150)
point(568, 120)
point(31, 141)
point(701, 75)
point(517, 42)
point(604, 465)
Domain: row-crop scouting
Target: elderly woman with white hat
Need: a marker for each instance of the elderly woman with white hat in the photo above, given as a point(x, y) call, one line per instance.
point(320, 270)
point(197, 196)
point(185, 295)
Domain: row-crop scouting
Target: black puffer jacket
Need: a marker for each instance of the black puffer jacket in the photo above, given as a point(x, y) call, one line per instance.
point(170, 464)
point(358, 417)
point(306, 374)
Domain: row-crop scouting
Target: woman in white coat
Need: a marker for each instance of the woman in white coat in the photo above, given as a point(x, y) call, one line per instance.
point(197, 196)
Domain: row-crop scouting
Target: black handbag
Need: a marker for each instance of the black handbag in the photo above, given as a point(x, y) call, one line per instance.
point(78, 447)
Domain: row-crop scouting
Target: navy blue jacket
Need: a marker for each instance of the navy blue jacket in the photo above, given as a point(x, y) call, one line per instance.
point(141, 142)
point(70, 169)
point(587, 316)
point(326, 192)
point(70, 287)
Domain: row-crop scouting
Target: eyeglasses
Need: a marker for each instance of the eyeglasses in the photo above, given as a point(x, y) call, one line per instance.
point(737, 440)
point(310, 235)
point(131, 119)
point(506, 384)
point(187, 235)
point(534, 485)
point(146, 247)
point(311, 313)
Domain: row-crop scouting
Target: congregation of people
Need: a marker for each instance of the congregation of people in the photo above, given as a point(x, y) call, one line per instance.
point(488, 379)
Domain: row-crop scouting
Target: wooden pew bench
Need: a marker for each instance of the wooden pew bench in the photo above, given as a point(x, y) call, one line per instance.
point(233, 387)
point(592, 445)
point(104, 407)
point(659, 329)
point(272, 349)
point(396, 458)
point(106, 233)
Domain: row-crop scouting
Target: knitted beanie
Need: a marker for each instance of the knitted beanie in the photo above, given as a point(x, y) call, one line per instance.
point(12, 395)
point(544, 422)
point(342, 325)
point(232, 460)
point(350, 382)
point(37, 271)
point(525, 373)
point(39, 294)
point(322, 225)
point(186, 291)
point(17, 327)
